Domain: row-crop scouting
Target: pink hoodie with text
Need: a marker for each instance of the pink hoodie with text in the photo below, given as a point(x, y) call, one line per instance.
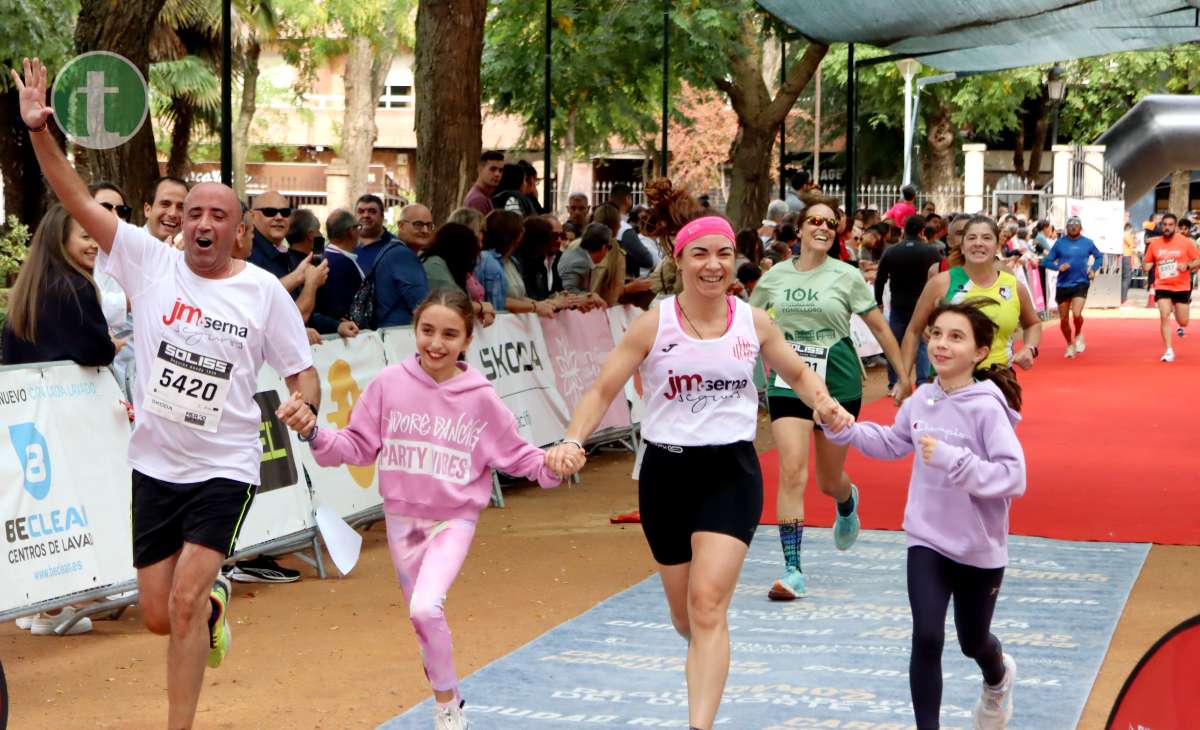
point(436, 442)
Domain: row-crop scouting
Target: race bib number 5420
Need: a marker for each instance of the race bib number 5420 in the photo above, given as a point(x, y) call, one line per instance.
point(188, 388)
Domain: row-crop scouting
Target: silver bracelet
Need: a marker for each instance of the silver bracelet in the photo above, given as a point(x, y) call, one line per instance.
point(573, 442)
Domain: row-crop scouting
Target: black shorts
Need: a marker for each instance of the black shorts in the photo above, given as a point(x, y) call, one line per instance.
point(782, 406)
point(1178, 297)
point(1062, 295)
point(166, 515)
point(686, 489)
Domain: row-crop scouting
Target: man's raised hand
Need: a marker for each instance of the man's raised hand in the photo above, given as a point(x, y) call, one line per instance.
point(32, 93)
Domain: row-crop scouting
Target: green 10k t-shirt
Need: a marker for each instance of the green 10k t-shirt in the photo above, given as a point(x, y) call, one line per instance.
point(813, 310)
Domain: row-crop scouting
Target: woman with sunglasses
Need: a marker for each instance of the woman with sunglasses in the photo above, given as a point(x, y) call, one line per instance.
point(113, 301)
point(812, 298)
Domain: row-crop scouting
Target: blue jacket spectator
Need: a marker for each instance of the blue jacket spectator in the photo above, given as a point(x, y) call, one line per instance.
point(400, 285)
point(490, 272)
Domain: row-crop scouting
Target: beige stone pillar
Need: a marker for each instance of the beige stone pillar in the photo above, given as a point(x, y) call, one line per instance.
point(973, 155)
point(337, 185)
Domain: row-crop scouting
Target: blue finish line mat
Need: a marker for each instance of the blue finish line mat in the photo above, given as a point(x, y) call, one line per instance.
point(835, 659)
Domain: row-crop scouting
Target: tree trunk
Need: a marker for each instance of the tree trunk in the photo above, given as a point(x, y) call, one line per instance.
point(134, 164)
point(759, 116)
point(1019, 148)
point(366, 72)
point(1180, 199)
point(938, 167)
point(449, 127)
point(25, 191)
point(178, 163)
point(566, 158)
point(750, 189)
point(241, 135)
point(1039, 140)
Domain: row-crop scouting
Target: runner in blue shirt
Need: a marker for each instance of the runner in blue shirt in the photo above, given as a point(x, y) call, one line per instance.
point(1069, 257)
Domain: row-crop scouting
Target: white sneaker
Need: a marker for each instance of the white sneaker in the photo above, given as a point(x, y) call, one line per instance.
point(452, 717)
point(995, 706)
point(1070, 352)
point(1079, 346)
point(44, 624)
point(26, 622)
point(1168, 356)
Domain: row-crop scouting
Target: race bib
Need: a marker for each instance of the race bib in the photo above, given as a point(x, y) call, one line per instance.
point(814, 356)
point(188, 388)
point(1168, 268)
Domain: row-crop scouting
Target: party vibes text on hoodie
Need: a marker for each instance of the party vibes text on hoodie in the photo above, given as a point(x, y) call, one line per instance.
point(958, 502)
point(436, 442)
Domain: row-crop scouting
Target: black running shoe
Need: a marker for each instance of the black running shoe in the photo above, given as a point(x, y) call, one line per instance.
point(262, 569)
point(1180, 332)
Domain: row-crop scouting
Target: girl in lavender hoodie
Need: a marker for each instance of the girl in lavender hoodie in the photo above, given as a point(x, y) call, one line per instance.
point(971, 467)
point(437, 428)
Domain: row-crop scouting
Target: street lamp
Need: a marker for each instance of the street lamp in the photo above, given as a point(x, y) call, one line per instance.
point(908, 69)
point(1056, 87)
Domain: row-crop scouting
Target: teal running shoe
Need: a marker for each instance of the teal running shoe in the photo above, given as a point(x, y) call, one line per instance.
point(789, 587)
point(845, 529)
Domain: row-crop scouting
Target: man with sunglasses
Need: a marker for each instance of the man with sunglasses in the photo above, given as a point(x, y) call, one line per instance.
point(269, 251)
point(164, 207)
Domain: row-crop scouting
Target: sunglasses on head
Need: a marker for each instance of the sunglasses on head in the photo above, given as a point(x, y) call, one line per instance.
point(123, 211)
point(820, 220)
point(272, 212)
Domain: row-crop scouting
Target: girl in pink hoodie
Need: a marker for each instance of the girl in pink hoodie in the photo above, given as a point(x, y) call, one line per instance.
point(436, 428)
point(970, 468)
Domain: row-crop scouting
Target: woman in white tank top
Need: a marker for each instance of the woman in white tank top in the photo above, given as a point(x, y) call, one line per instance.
point(700, 488)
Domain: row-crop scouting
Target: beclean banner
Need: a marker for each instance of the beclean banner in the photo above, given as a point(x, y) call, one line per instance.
point(282, 505)
point(346, 368)
point(64, 436)
point(577, 343)
point(512, 355)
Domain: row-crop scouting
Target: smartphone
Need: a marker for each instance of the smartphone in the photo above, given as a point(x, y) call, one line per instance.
point(318, 250)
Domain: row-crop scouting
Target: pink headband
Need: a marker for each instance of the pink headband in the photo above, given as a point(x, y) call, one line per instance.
point(709, 225)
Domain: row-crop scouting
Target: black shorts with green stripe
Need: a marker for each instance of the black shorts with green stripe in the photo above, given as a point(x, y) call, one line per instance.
point(166, 515)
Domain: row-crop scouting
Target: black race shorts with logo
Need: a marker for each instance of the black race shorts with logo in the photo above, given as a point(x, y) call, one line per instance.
point(167, 514)
point(1062, 295)
point(1176, 297)
point(782, 406)
point(687, 489)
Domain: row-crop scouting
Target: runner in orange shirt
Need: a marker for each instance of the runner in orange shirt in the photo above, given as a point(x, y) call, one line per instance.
point(1173, 257)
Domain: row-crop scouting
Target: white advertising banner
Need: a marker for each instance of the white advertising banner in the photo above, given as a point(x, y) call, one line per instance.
point(578, 342)
point(282, 505)
point(512, 355)
point(864, 340)
point(399, 343)
point(619, 319)
point(1103, 222)
point(64, 443)
point(345, 367)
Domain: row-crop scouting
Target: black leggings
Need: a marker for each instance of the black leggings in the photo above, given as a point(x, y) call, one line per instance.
point(932, 579)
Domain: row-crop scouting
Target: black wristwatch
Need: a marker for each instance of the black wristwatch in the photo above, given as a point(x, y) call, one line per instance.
point(311, 407)
point(1034, 350)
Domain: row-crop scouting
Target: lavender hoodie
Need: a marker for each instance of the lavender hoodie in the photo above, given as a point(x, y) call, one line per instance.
point(436, 442)
point(958, 503)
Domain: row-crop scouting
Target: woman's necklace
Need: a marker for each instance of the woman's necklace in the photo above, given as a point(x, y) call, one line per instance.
point(699, 334)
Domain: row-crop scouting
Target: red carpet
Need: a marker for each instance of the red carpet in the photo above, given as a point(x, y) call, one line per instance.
point(1112, 444)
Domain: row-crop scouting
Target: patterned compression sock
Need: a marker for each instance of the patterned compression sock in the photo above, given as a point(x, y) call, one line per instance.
point(790, 535)
point(845, 509)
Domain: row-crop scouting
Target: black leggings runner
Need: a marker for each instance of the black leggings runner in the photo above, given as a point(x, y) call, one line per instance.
point(932, 579)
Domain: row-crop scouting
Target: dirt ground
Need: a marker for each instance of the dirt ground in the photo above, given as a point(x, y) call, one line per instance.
point(340, 653)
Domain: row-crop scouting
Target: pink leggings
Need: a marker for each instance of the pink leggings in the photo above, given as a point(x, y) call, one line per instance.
point(427, 555)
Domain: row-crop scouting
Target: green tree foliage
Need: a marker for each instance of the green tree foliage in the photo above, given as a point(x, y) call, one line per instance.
point(42, 29)
point(606, 67)
point(1100, 90)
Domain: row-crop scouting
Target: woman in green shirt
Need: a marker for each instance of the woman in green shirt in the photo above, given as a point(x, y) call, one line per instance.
point(450, 259)
point(812, 298)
